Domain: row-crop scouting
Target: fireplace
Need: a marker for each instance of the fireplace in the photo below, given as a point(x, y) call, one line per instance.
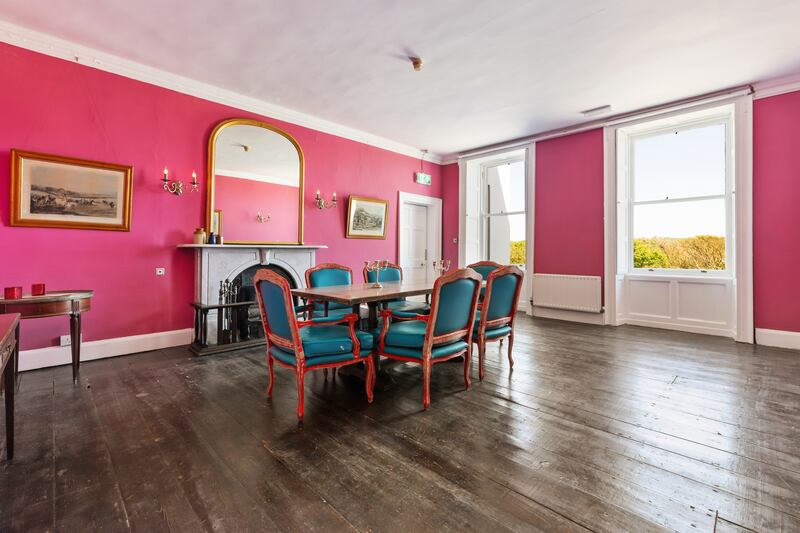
point(214, 264)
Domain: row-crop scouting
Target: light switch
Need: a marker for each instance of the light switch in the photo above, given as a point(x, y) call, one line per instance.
point(160, 271)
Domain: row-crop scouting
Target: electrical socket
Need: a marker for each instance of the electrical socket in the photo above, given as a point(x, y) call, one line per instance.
point(66, 340)
point(160, 271)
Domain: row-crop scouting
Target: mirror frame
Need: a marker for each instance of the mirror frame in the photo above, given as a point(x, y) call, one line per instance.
point(212, 141)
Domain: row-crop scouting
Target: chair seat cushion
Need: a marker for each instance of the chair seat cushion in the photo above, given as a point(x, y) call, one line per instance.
point(288, 357)
point(329, 340)
point(406, 309)
point(438, 352)
point(333, 314)
point(493, 333)
point(408, 334)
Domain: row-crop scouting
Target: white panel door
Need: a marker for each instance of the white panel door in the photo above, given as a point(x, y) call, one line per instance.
point(413, 252)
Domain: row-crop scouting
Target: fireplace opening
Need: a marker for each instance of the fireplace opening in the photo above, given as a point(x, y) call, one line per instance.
point(249, 324)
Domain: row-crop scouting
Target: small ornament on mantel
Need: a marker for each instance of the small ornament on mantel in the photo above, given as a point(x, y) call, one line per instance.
point(199, 236)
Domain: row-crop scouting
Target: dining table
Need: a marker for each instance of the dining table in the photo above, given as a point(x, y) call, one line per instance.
point(357, 294)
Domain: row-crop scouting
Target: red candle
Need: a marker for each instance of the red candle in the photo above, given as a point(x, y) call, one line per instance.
point(12, 293)
point(37, 289)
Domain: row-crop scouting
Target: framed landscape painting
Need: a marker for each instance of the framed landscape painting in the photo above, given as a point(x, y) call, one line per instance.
point(50, 191)
point(366, 218)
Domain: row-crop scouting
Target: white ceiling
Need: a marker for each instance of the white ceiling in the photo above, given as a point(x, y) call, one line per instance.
point(494, 70)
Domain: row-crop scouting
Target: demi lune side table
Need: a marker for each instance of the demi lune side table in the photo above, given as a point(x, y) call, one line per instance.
point(53, 303)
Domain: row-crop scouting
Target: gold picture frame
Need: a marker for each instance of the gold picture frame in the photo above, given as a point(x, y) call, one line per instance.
point(51, 191)
point(367, 218)
point(216, 222)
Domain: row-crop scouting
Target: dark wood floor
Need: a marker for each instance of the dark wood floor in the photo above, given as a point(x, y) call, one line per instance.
point(601, 429)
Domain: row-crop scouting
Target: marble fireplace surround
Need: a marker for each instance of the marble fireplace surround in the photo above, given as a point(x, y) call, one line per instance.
point(215, 263)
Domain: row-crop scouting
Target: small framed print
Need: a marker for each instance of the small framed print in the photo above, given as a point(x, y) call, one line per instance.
point(366, 218)
point(50, 191)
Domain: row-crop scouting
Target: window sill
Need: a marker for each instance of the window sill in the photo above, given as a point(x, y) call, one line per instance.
point(693, 277)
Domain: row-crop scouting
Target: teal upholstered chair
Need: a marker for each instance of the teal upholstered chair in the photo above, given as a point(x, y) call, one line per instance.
point(307, 345)
point(495, 318)
point(443, 334)
point(484, 268)
point(327, 275)
point(401, 307)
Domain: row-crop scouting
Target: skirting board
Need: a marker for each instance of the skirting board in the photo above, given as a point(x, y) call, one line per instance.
point(61, 355)
point(570, 316)
point(778, 338)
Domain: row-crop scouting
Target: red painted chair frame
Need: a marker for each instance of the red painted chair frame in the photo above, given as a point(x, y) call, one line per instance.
point(502, 321)
point(294, 344)
point(427, 360)
point(322, 266)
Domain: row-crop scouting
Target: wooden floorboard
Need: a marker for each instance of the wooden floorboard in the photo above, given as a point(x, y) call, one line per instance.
point(596, 429)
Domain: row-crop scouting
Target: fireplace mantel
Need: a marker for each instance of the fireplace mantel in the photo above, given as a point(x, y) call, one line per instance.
point(218, 262)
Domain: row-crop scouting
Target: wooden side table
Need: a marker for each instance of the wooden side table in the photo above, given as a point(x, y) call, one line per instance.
point(9, 333)
point(53, 303)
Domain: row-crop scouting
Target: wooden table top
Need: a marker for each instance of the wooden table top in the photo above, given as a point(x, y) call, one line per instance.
point(8, 323)
point(49, 296)
point(359, 293)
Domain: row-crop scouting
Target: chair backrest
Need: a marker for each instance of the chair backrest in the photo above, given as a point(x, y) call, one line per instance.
point(328, 274)
point(484, 267)
point(393, 272)
point(277, 311)
point(453, 303)
point(502, 294)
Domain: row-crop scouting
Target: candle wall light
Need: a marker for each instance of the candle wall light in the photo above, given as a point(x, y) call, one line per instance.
point(261, 218)
point(176, 187)
point(322, 204)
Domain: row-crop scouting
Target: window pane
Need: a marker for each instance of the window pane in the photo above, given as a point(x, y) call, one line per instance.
point(679, 165)
point(506, 188)
point(681, 235)
point(506, 239)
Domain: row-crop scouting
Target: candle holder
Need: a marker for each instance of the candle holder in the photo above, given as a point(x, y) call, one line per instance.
point(322, 204)
point(176, 187)
point(377, 267)
point(441, 266)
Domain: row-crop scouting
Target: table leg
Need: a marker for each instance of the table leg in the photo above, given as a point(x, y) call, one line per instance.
point(10, 386)
point(75, 342)
point(16, 357)
point(383, 380)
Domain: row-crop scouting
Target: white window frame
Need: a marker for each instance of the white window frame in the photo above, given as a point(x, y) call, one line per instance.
point(484, 199)
point(626, 187)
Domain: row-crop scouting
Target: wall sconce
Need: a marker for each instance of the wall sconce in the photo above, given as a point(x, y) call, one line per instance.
point(176, 187)
point(322, 204)
point(261, 218)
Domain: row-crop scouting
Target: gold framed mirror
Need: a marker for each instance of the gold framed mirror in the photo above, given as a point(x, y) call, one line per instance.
point(255, 179)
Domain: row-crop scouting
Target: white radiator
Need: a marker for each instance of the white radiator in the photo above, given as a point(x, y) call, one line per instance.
point(561, 291)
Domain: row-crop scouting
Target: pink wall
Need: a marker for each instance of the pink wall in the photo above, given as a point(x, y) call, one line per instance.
point(450, 212)
point(776, 212)
point(59, 107)
point(240, 200)
point(569, 205)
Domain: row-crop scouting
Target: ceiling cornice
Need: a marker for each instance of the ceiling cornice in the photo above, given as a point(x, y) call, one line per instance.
point(89, 57)
point(776, 86)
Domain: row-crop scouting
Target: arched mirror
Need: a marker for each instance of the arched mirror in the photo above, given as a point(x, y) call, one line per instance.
point(255, 184)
